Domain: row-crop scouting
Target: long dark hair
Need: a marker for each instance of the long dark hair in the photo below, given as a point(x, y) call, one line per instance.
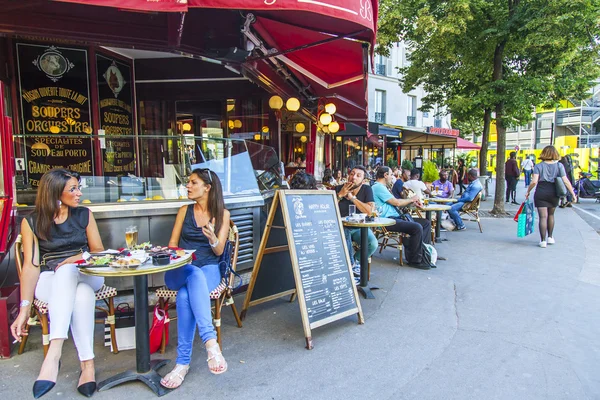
point(327, 176)
point(216, 204)
point(49, 192)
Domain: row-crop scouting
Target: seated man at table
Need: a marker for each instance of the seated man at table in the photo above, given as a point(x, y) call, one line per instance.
point(443, 186)
point(356, 192)
point(419, 229)
point(469, 195)
point(399, 184)
point(418, 187)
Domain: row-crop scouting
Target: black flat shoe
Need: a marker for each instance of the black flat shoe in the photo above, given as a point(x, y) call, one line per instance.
point(87, 389)
point(42, 387)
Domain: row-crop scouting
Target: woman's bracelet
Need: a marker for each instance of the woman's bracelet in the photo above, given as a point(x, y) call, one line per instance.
point(215, 244)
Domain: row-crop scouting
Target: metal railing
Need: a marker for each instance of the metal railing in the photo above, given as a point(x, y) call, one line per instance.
point(380, 118)
point(411, 121)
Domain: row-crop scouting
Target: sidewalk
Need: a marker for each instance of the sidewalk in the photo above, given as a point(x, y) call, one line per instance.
point(500, 319)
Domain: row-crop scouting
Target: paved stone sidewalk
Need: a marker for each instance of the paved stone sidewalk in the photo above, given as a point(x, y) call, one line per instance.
point(501, 319)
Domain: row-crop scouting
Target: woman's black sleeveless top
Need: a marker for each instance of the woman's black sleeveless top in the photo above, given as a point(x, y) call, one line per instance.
point(192, 238)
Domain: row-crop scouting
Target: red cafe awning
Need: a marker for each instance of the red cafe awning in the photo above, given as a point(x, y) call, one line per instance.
point(466, 145)
point(334, 70)
point(347, 13)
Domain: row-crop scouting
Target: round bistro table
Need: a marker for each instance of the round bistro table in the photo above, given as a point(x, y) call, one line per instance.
point(438, 208)
point(145, 370)
point(441, 200)
point(364, 242)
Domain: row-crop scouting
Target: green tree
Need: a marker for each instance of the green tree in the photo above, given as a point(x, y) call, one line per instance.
point(495, 56)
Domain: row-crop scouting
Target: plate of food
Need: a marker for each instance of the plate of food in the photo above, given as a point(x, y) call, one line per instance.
point(128, 262)
point(99, 260)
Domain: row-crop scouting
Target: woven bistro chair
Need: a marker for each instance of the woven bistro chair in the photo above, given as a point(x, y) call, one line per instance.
point(222, 295)
point(471, 209)
point(39, 311)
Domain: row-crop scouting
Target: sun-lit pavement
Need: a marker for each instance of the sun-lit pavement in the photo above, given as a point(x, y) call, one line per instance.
point(500, 319)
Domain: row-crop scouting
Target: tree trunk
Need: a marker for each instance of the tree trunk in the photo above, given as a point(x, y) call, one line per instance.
point(500, 159)
point(487, 118)
point(501, 136)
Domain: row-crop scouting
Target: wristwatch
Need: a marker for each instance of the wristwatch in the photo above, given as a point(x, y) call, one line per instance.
point(25, 303)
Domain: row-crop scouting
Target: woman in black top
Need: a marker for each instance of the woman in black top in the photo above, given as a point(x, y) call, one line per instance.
point(59, 225)
point(543, 180)
point(204, 227)
point(462, 173)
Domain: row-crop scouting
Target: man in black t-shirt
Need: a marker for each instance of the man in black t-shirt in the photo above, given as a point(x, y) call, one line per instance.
point(358, 193)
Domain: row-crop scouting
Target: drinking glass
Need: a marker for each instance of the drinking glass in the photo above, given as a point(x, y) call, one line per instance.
point(131, 237)
point(351, 210)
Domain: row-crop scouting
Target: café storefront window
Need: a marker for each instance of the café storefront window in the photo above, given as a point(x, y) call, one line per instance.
point(91, 125)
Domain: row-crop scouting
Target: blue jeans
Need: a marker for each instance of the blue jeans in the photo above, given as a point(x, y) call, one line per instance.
point(193, 285)
point(453, 213)
point(528, 177)
point(355, 236)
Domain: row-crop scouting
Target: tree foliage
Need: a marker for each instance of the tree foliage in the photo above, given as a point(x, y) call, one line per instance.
point(503, 56)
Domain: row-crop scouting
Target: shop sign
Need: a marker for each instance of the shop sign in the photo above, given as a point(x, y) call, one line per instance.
point(443, 131)
point(55, 109)
point(116, 115)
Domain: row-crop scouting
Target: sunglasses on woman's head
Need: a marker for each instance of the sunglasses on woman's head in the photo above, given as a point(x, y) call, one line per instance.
point(207, 170)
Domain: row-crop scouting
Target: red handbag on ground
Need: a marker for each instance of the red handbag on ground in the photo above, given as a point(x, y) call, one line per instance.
point(159, 321)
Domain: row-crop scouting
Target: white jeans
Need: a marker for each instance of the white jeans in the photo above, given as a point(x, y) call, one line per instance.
point(71, 301)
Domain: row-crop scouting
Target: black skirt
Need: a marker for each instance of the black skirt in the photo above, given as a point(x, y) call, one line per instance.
point(545, 195)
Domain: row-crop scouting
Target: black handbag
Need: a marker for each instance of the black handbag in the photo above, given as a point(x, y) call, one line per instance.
point(561, 188)
point(50, 261)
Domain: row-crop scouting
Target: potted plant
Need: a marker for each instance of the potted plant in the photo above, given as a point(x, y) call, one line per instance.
point(430, 172)
point(407, 164)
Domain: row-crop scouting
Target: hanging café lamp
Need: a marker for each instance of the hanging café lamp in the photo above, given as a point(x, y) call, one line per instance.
point(293, 104)
point(334, 127)
point(276, 102)
point(325, 118)
point(330, 108)
point(300, 127)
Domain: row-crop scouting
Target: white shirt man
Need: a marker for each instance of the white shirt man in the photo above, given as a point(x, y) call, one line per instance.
point(417, 186)
point(527, 164)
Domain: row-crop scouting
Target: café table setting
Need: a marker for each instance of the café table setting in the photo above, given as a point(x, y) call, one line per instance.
point(137, 261)
point(364, 222)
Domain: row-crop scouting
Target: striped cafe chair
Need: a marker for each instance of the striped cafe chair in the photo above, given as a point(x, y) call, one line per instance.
point(222, 295)
point(39, 311)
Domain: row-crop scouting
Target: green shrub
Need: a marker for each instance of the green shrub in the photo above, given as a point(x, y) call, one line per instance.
point(430, 171)
point(407, 164)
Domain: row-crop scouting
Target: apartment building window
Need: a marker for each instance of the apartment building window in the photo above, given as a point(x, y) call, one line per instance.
point(383, 66)
point(406, 57)
point(411, 119)
point(437, 123)
point(380, 106)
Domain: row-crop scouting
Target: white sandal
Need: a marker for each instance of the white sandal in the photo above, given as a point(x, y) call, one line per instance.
point(179, 372)
point(214, 352)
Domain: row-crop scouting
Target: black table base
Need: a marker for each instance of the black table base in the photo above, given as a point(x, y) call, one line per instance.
point(145, 369)
point(364, 288)
point(150, 378)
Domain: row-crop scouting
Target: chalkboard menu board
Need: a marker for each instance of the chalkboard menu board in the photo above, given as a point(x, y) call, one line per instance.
point(304, 235)
point(321, 255)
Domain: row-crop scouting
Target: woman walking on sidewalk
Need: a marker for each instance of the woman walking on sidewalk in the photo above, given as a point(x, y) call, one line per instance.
point(545, 198)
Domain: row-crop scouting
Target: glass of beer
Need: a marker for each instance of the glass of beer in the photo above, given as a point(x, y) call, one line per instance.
point(131, 237)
